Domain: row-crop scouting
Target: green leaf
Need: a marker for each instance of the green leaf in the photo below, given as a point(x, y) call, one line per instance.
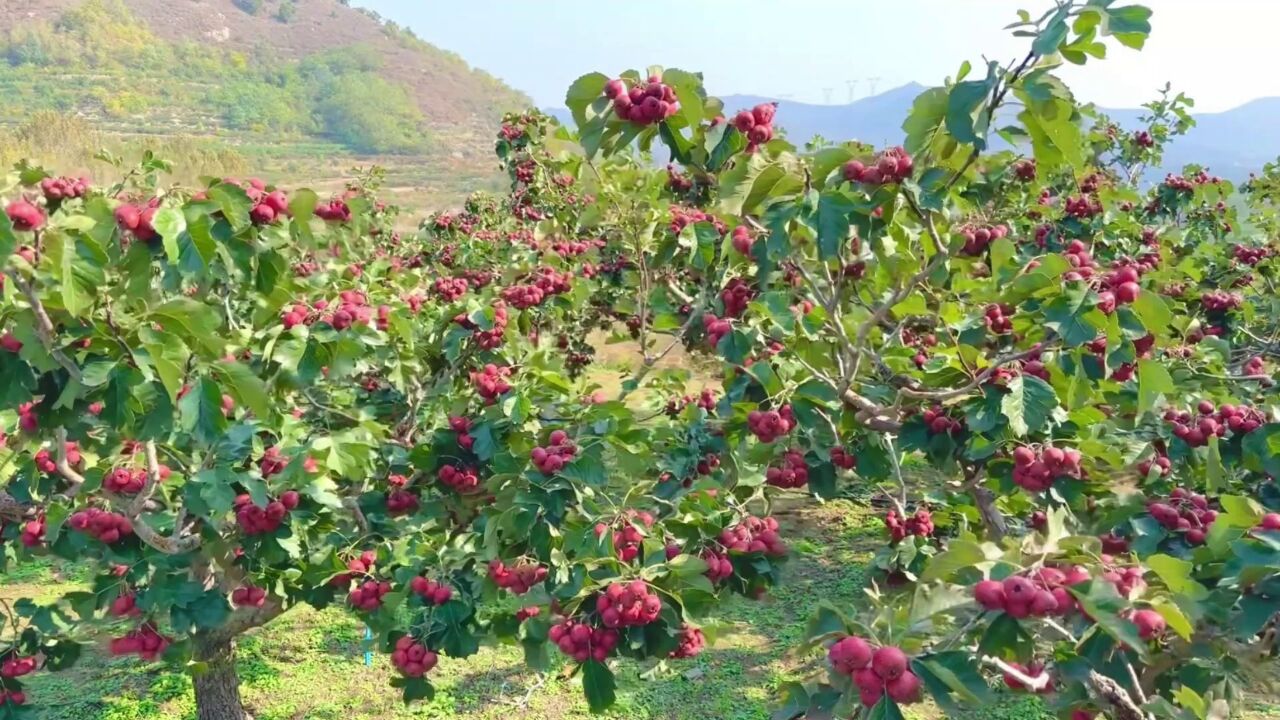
point(171, 224)
point(247, 388)
point(584, 91)
point(960, 554)
point(1176, 574)
point(1047, 42)
point(927, 113)
point(8, 238)
point(1153, 312)
point(1070, 315)
point(886, 709)
point(1154, 381)
point(198, 322)
point(1101, 602)
point(1029, 404)
point(965, 121)
point(200, 412)
point(234, 203)
point(833, 223)
point(598, 685)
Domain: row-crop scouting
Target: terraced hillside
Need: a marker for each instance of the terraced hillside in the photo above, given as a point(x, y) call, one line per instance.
point(303, 88)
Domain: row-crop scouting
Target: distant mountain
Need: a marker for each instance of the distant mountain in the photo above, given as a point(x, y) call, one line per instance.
point(1232, 143)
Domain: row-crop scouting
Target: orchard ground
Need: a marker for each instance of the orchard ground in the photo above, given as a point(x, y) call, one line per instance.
point(310, 664)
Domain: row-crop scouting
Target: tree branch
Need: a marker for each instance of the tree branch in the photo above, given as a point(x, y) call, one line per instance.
point(1111, 691)
point(1034, 684)
point(44, 326)
point(169, 545)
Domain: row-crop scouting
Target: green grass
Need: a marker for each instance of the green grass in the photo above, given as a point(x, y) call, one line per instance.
point(309, 664)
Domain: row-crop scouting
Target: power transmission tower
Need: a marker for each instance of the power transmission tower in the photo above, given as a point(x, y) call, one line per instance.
point(872, 82)
point(853, 88)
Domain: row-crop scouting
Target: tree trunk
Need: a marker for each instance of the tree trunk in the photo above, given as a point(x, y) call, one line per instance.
point(217, 685)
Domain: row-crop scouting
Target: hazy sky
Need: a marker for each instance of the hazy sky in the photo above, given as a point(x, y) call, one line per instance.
point(1221, 52)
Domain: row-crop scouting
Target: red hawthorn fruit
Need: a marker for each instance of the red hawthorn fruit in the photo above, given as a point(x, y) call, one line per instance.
point(850, 654)
point(889, 663)
point(25, 216)
point(1150, 623)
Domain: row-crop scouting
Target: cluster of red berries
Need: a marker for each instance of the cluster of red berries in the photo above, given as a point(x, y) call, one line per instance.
point(491, 382)
point(254, 520)
point(1126, 580)
point(719, 567)
point(715, 327)
point(12, 697)
point(57, 189)
point(487, 339)
point(272, 462)
point(677, 181)
point(1121, 288)
point(460, 479)
point(920, 524)
point(735, 296)
point(138, 219)
point(1159, 461)
point(682, 217)
point(352, 308)
point(25, 216)
point(705, 400)
point(356, 566)
point(558, 452)
point(1184, 511)
point(125, 605)
point(689, 643)
point(754, 534)
point(875, 671)
point(643, 104)
point(125, 481)
point(843, 459)
point(1082, 207)
point(1042, 593)
point(939, 422)
point(462, 427)
point(1253, 366)
point(32, 532)
point(627, 604)
point(103, 525)
point(249, 596)
point(523, 296)
point(627, 537)
point(300, 314)
point(269, 208)
point(449, 289)
point(1025, 170)
point(1035, 472)
point(742, 239)
point(412, 658)
point(15, 666)
point(431, 591)
point(1143, 139)
point(1241, 419)
point(891, 166)
point(792, 473)
point(977, 238)
point(1151, 624)
point(756, 124)
point(335, 210)
point(769, 425)
point(402, 502)
point(1251, 255)
point(1221, 301)
point(583, 642)
point(527, 612)
point(367, 596)
point(146, 642)
point(45, 461)
point(999, 318)
point(518, 578)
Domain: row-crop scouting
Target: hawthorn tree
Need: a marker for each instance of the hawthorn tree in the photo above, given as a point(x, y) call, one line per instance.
point(234, 400)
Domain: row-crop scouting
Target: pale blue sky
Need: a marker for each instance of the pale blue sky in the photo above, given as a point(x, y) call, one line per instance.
point(1221, 52)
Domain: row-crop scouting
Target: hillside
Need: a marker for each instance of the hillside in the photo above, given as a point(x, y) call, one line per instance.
point(312, 86)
